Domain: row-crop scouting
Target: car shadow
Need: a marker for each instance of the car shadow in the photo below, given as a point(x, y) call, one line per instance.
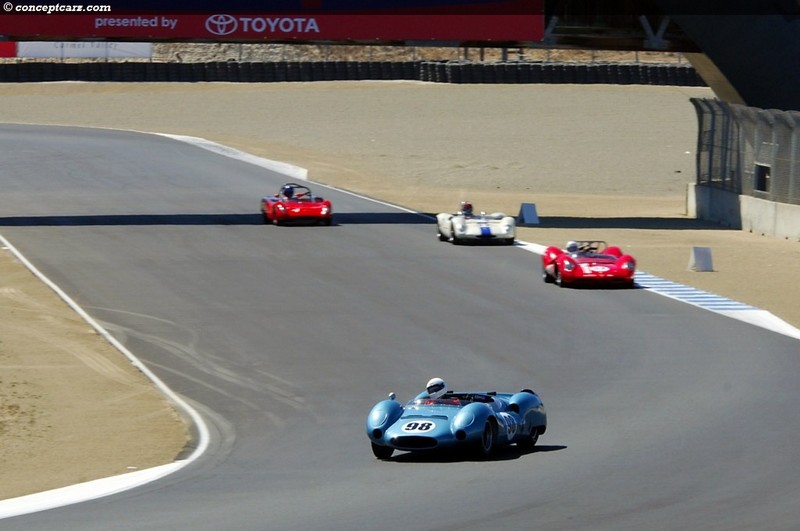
point(345, 218)
point(476, 242)
point(600, 286)
point(652, 223)
point(381, 218)
point(504, 453)
point(131, 219)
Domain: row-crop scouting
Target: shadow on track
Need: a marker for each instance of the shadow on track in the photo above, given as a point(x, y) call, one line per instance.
point(506, 453)
point(131, 219)
point(347, 218)
point(559, 222)
point(381, 218)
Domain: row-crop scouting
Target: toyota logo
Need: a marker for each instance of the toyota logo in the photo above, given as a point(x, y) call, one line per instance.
point(221, 24)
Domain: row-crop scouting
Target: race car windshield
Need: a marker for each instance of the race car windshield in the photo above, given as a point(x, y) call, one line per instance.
point(453, 399)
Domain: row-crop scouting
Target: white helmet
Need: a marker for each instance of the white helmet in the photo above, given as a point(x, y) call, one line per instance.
point(572, 247)
point(436, 387)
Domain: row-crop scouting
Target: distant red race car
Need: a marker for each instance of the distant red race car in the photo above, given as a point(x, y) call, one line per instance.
point(584, 262)
point(295, 202)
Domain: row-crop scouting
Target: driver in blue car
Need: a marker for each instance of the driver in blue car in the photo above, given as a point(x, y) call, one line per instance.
point(436, 388)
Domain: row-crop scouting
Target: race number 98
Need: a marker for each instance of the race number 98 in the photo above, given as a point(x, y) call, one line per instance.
point(418, 426)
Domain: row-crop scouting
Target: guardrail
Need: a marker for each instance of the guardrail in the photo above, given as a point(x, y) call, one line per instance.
point(287, 71)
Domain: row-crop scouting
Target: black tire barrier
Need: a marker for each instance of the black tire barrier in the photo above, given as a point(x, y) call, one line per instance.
point(281, 71)
point(374, 70)
point(85, 72)
point(536, 72)
point(396, 70)
point(549, 73)
point(364, 70)
point(579, 74)
point(487, 72)
point(301, 71)
point(211, 72)
point(411, 70)
point(173, 72)
point(10, 74)
point(591, 74)
point(424, 70)
point(453, 73)
point(235, 72)
point(507, 73)
point(350, 71)
point(324, 71)
point(340, 70)
point(196, 72)
point(570, 74)
point(623, 74)
point(476, 73)
point(441, 74)
point(524, 74)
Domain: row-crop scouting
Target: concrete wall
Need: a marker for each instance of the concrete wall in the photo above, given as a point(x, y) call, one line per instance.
point(743, 212)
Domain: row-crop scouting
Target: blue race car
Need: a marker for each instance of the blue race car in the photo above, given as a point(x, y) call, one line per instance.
point(477, 421)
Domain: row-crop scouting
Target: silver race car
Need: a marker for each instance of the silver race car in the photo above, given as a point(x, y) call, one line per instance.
point(466, 226)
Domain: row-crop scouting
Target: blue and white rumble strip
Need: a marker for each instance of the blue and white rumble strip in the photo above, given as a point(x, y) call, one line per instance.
point(688, 294)
point(715, 303)
point(700, 298)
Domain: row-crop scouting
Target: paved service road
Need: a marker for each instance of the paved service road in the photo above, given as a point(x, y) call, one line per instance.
point(661, 415)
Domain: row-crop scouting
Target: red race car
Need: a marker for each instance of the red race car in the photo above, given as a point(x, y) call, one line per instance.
point(584, 262)
point(295, 202)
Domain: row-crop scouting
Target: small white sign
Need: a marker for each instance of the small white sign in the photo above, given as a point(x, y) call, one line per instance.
point(700, 259)
point(527, 214)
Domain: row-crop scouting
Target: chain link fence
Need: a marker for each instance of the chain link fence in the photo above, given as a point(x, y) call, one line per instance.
point(749, 151)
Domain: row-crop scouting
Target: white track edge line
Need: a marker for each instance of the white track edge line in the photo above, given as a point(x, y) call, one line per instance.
point(105, 486)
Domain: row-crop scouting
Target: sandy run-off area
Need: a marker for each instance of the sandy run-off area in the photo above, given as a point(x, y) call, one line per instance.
point(599, 162)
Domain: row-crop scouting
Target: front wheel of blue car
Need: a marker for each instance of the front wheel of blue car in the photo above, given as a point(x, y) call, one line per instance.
point(382, 452)
point(486, 443)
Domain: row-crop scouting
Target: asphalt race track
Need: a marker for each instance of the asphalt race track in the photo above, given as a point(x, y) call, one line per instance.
point(661, 415)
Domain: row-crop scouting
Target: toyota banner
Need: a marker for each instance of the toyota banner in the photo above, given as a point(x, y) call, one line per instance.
point(302, 21)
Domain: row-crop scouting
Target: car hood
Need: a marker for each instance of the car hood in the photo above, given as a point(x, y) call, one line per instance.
point(435, 411)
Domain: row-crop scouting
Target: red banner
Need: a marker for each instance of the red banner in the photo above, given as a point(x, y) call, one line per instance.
point(501, 28)
point(8, 49)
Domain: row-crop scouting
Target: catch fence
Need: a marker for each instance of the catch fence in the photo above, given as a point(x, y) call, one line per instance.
point(749, 151)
